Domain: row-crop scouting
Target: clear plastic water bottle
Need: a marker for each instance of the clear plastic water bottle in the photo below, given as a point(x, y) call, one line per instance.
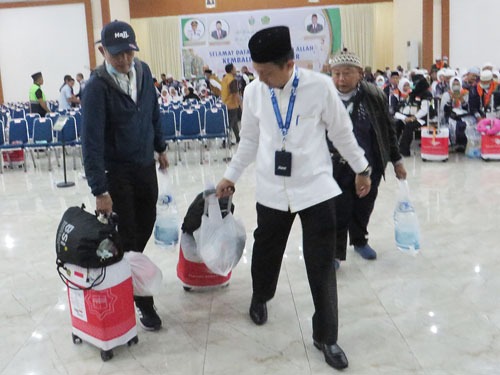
point(166, 232)
point(406, 227)
point(473, 149)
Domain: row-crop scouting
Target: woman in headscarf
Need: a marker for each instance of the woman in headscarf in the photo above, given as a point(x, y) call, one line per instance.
point(454, 109)
point(413, 113)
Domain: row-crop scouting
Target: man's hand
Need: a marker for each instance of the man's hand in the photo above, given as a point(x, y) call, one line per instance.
point(104, 204)
point(400, 171)
point(163, 160)
point(224, 188)
point(363, 185)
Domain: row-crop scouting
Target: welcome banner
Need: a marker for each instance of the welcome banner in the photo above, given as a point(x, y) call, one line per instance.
point(218, 39)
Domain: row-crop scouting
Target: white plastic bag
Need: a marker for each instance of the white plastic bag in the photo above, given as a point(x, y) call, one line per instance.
point(166, 231)
point(220, 241)
point(146, 276)
point(406, 228)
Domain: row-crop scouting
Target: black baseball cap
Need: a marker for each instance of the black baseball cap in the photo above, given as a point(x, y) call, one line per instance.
point(118, 36)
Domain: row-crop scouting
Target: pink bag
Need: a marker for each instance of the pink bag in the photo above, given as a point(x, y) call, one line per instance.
point(489, 126)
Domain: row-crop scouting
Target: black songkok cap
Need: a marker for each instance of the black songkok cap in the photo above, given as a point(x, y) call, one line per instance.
point(270, 44)
point(36, 75)
point(394, 73)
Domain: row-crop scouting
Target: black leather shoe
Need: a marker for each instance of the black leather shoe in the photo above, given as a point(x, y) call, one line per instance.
point(334, 355)
point(258, 312)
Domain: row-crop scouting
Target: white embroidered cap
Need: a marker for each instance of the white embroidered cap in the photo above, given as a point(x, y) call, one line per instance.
point(345, 58)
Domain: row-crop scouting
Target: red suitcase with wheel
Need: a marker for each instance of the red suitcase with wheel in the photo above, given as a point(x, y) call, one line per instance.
point(13, 158)
point(490, 147)
point(192, 271)
point(190, 268)
point(101, 304)
point(434, 143)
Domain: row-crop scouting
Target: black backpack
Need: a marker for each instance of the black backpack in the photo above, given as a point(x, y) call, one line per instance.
point(83, 240)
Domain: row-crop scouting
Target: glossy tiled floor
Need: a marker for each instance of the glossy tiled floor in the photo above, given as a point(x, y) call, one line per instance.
point(437, 313)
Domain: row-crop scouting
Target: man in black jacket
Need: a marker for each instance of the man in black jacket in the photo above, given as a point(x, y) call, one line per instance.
point(375, 133)
point(120, 133)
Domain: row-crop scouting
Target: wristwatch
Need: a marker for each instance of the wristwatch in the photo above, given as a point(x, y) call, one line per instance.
point(367, 172)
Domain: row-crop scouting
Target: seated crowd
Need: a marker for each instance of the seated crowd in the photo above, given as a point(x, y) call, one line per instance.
point(444, 97)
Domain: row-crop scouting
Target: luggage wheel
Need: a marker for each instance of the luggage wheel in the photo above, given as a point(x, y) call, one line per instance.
point(133, 340)
point(106, 355)
point(445, 160)
point(187, 288)
point(76, 339)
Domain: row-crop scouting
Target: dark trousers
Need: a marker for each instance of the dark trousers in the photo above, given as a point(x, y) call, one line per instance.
point(134, 191)
point(352, 213)
point(406, 131)
point(318, 237)
point(232, 115)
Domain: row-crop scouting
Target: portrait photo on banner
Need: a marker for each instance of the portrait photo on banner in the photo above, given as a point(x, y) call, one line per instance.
point(218, 39)
point(193, 30)
point(210, 3)
point(219, 29)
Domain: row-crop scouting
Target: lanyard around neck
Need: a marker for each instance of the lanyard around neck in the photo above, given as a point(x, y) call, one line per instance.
point(285, 126)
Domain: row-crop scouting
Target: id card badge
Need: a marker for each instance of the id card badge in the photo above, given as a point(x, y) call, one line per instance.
point(283, 163)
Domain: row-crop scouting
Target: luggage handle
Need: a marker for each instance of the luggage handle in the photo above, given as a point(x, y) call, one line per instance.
point(208, 192)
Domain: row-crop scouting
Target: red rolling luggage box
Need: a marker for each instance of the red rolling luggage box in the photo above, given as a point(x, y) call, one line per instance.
point(490, 147)
point(13, 158)
point(192, 271)
point(434, 144)
point(103, 315)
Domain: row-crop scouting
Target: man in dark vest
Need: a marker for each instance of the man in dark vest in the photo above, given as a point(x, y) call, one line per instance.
point(375, 133)
point(38, 102)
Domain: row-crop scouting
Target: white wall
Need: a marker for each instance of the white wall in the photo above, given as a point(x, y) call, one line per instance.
point(119, 10)
point(407, 26)
point(51, 39)
point(474, 36)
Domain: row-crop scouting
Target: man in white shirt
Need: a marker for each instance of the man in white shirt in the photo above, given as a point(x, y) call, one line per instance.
point(283, 130)
point(66, 96)
point(194, 33)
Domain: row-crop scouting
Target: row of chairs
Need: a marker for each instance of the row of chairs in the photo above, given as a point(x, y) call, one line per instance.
point(187, 126)
point(6, 116)
point(16, 137)
point(177, 109)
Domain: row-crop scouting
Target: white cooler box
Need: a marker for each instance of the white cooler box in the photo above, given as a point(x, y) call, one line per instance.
point(434, 144)
point(104, 315)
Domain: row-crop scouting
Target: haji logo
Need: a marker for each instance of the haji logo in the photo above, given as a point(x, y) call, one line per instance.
point(123, 35)
point(435, 143)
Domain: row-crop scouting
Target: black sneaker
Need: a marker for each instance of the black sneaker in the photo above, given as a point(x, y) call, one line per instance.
point(148, 317)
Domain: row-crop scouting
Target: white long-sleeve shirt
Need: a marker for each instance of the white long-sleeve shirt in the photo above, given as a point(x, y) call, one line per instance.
point(317, 108)
point(413, 110)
